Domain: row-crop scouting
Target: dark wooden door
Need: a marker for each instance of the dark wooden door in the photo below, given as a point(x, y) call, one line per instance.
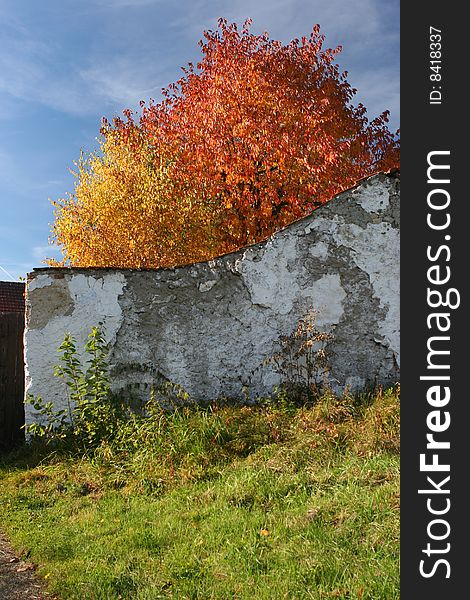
point(11, 379)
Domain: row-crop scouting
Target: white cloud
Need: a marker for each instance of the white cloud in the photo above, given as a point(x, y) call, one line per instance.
point(98, 79)
point(367, 30)
point(124, 81)
point(118, 4)
point(17, 175)
point(379, 91)
point(285, 19)
point(130, 63)
point(21, 69)
point(41, 253)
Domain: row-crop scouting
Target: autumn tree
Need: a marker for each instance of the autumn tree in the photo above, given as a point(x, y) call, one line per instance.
point(126, 212)
point(254, 136)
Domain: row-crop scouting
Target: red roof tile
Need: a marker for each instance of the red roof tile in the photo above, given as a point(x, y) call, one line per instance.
point(11, 296)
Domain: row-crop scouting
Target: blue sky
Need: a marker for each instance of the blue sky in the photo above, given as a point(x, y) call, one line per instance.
point(64, 64)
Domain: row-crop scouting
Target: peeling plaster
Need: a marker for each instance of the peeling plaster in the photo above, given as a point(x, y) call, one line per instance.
point(319, 250)
point(210, 327)
point(377, 252)
point(371, 199)
point(93, 300)
point(40, 281)
point(269, 281)
point(207, 285)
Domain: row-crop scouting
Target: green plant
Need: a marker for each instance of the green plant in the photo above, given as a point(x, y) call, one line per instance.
point(50, 424)
point(303, 360)
point(93, 412)
point(167, 396)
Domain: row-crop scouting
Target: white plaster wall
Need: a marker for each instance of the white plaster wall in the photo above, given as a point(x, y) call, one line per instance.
point(210, 326)
point(95, 299)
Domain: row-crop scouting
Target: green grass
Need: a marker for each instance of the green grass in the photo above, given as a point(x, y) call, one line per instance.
point(268, 502)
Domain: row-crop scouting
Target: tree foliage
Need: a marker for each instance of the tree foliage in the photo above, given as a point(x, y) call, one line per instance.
point(259, 133)
point(126, 211)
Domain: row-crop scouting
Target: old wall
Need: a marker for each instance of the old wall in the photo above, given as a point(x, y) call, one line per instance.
point(210, 326)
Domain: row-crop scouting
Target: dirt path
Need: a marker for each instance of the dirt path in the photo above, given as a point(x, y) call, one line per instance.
point(17, 578)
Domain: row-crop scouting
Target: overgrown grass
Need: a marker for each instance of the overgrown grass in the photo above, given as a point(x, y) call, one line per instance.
point(267, 502)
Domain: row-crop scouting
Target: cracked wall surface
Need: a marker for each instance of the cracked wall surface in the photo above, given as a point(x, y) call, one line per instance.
point(209, 327)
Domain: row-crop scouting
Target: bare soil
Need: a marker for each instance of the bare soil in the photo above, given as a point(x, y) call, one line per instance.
point(18, 580)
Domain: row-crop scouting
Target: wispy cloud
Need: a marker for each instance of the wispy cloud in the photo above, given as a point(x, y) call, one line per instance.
point(27, 67)
point(65, 64)
point(17, 176)
point(109, 75)
point(379, 90)
point(118, 4)
point(41, 253)
point(351, 22)
point(124, 81)
point(99, 78)
point(21, 62)
point(367, 30)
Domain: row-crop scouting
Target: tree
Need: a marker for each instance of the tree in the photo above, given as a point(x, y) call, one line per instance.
point(125, 211)
point(256, 135)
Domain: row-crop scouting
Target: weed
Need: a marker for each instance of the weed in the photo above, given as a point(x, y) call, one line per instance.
point(93, 413)
point(303, 360)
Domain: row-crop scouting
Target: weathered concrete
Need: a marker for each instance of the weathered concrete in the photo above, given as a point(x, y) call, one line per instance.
point(210, 326)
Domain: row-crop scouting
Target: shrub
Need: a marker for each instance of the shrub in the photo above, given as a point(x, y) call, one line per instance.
point(303, 360)
point(92, 413)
